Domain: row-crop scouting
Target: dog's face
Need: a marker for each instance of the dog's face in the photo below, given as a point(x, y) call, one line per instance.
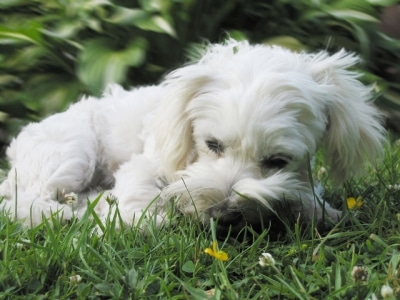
point(251, 144)
point(246, 121)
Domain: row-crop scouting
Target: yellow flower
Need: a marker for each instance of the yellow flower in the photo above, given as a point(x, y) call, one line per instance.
point(220, 255)
point(353, 203)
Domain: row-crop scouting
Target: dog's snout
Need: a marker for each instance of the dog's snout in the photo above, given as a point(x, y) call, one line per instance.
point(226, 218)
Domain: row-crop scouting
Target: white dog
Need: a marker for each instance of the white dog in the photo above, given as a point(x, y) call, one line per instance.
point(227, 137)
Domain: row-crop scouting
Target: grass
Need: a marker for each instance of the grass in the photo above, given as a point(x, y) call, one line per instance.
point(69, 261)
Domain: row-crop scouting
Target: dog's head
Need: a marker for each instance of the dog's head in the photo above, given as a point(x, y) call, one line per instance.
point(237, 128)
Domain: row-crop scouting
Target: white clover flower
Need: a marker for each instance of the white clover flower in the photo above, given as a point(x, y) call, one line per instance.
point(71, 198)
point(24, 244)
point(373, 297)
point(75, 279)
point(386, 291)
point(394, 187)
point(266, 260)
point(321, 173)
point(75, 243)
point(359, 274)
point(111, 199)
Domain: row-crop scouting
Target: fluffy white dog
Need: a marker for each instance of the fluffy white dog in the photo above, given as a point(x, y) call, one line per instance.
point(227, 137)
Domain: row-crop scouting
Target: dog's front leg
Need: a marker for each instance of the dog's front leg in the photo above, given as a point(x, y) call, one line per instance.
point(136, 191)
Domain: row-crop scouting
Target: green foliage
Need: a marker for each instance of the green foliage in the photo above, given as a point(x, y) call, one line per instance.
point(53, 51)
point(353, 260)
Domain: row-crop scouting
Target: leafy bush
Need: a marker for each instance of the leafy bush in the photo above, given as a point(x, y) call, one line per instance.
point(52, 51)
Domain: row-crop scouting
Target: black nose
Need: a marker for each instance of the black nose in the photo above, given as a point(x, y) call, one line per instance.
point(226, 218)
point(228, 222)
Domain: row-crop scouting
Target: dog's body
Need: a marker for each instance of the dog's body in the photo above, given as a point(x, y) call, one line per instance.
point(228, 137)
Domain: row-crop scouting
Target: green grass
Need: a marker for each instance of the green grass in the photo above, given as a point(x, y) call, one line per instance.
point(69, 261)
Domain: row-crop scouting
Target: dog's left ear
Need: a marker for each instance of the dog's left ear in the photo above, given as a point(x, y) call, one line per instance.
point(172, 127)
point(354, 132)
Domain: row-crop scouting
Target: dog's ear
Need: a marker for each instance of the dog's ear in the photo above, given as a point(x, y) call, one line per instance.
point(354, 132)
point(172, 127)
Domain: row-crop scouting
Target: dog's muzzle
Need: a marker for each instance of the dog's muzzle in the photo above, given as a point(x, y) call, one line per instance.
point(229, 219)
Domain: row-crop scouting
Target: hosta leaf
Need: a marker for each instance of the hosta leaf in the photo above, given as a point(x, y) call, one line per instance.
point(363, 39)
point(124, 16)
point(141, 19)
point(352, 14)
point(24, 59)
point(64, 30)
point(157, 24)
point(6, 79)
point(101, 63)
point(287, 42)
point(88, 5)
point(155, 5)
point(383, 2)
point(53, 90)
point(9, 3)
point(390, 100)
point(12, 36)
point(357, 5)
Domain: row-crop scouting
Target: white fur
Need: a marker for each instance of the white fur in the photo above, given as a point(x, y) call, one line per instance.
point(259, 102)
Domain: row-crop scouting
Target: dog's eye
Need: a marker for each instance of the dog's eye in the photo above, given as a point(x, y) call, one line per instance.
point(215, 146)
point(275, 162)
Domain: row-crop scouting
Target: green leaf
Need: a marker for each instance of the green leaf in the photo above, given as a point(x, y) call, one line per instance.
point(132, 278)
point(24, 59)
point(153, 5)
point(54, 90)
point(287, 42)
point(6, 79)
point(363, 39)
point(157, 24)
point(188, 267)
point(10, 3)
point(64, 30)
point(141, 19)
point(12, 36)
point(352, 14)
point(383, 2)
point(389, 100)
point(103, 288)
point(194, 292)
point(100, 63)
point(125, 16)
